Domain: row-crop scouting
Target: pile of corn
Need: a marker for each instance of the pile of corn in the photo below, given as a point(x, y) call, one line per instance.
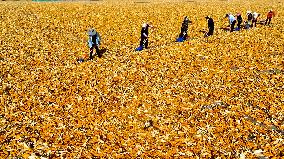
point(216, 97)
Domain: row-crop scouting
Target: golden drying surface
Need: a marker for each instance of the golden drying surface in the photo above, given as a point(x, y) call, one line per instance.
point(217, 97)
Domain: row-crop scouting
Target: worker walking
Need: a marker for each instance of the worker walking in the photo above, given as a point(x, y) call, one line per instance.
point(270, 15)
point(232, 21)
point(210, 22)
point(144, 36)
point(240, 20)
point(249, 19)
point(94, 42)
point(254, 18)
point(183, 31)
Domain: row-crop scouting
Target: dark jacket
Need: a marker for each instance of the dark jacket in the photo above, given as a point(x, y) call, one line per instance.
point(184, 26)
point(239, 18)
point(250, 16)
point(144, 30)
point(95, 39)
point(210, 23)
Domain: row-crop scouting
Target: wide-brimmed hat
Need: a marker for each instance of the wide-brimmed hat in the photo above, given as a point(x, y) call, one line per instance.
point(92, 32)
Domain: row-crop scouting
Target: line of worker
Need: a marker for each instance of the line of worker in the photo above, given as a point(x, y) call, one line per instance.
point(252, 18)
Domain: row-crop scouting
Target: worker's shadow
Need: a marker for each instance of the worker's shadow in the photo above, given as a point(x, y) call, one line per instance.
point(261, 22)
point(101, 52)
point(225, 28)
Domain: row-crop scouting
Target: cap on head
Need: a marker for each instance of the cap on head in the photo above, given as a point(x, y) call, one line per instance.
point(248, 11)
point(144, 25)
point(92, 32)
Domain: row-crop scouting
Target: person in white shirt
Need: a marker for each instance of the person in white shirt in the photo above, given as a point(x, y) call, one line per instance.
point(254, 18)
point(232, 21)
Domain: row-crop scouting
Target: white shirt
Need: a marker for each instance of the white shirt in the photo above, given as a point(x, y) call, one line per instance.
point(255, 15)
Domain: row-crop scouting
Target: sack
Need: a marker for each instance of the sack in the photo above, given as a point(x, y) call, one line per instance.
point(80, 60)
point(180, 39)
point(140, 48)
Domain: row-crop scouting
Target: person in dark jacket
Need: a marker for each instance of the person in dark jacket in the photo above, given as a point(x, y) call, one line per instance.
point(184, 28)
point(94, 42)
point(239, 20)
point(249, 19)
point(144, 35)
point(210, 22)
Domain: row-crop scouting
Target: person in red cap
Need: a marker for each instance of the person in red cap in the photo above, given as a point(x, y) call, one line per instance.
point(270, 15)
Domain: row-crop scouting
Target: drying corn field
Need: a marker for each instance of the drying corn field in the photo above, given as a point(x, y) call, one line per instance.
point(219, 97)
